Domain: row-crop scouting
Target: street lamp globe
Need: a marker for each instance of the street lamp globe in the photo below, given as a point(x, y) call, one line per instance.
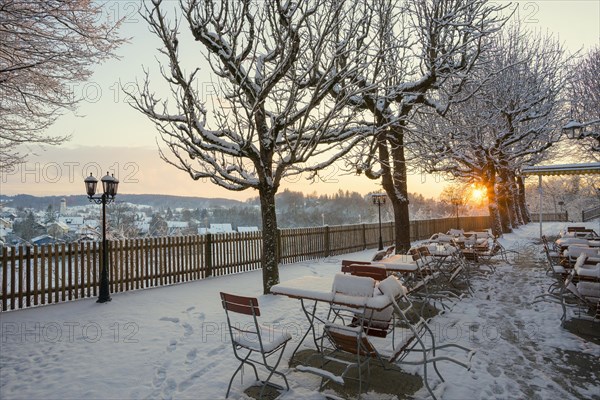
point(90, 185)
point(109, 185)
point(573, 129)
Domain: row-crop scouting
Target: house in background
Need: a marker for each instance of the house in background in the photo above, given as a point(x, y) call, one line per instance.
point(44, 240)
point(244, 229)
point(74, 223)
point(57, 229)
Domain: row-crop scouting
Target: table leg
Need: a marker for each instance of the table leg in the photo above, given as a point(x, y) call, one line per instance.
point(310, 316)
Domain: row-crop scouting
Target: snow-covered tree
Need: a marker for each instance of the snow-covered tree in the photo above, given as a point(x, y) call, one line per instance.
point(275, 64)
point(45, 47)
point(419, 48)
point(512, 118)
point(584, 97)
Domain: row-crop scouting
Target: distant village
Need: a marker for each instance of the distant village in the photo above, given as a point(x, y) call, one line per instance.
point(54, 220)
point(83, 223)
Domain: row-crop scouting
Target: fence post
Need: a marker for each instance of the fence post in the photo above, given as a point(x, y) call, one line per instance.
point(327, 242)
point(364, 236)
point(278, 246)
point(28, 276)
point(4, 278)
point(208, 254)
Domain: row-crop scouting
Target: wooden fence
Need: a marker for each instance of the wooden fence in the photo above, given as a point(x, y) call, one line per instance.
point(548, 217)
point(38, 275)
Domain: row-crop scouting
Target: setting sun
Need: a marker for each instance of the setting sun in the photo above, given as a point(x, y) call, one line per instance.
point(477, 194)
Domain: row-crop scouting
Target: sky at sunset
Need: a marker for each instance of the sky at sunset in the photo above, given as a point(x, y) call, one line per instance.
point(108, 134)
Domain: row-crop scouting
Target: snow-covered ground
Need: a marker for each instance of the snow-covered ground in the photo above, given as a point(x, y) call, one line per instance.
point(172, 342)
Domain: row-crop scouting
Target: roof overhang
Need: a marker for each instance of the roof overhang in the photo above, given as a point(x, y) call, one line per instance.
point(562, 169)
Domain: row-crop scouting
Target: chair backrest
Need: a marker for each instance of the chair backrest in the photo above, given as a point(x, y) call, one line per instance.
point(390, 250)
point(575, 228)
point(372, 271)
point(350, 340)
point(345, 263)
point(240, 304)
point(414, 252)
point(353, 285)
point(380, 255)
point(424, 250)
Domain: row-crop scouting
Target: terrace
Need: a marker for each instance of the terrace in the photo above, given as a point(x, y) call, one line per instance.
point(172, 342)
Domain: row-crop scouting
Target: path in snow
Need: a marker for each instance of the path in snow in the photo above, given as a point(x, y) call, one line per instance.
point(519, 344)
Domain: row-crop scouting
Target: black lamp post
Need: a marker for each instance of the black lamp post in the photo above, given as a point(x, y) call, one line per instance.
point(379, 199)
point(456, 202)
point(109, 187)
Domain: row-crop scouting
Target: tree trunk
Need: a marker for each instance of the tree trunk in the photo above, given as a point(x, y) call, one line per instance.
point(270, 269)
point(522, 201)
point(494, 211)
point(394, 183)
point(503, 207)
point(516, 206)
point(490, 184)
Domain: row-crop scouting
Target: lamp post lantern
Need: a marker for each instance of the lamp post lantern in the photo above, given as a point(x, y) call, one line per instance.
point(379, 199)
point(109, 188)
point(577, 130)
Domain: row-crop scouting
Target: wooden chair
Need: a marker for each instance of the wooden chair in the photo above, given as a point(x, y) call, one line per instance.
point(378, 273)
point(344, 340)
point(248, 337)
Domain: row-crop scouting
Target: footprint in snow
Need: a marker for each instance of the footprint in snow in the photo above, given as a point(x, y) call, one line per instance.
point(191, 355)
point(169, 388)
point(160, 376)
point(193, 378)
point(190, 308)
point(201, 316)
point(172, 345)
point(215, 350)
point(188, 329)
point(170, 319)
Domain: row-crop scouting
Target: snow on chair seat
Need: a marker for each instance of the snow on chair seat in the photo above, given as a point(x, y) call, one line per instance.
point(589, 289)
point(588, 271)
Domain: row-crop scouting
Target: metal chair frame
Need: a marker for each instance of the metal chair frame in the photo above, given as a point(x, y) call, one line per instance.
point(249, 306)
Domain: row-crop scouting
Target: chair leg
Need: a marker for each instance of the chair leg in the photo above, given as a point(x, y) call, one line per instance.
point(242, 362)
point(273, 370)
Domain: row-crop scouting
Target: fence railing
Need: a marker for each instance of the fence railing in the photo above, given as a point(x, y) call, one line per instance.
point(38, 275)
point(550, 217)
point(592, 213)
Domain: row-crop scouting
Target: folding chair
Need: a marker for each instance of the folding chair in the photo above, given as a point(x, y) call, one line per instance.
point(582, 285)
point(248, 336)
point(344, 340)
point(553, 256)
point(420, 334)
